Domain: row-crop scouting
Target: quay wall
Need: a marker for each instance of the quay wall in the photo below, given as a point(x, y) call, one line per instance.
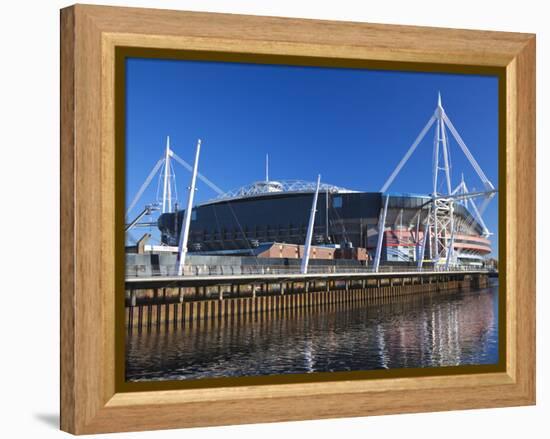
point(150, 309)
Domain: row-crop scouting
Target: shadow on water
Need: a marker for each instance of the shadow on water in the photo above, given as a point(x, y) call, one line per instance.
point(423, 330)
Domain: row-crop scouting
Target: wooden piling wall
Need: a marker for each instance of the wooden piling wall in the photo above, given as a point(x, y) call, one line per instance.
point(165, 307)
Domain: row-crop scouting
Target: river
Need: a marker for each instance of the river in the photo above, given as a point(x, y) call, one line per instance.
point(423, 330)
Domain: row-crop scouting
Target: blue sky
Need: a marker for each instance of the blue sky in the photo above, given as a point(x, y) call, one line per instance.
point(352, 126)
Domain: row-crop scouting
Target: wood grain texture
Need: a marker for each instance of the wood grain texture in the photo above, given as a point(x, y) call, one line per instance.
point(372, 41)
point(525, 232)
point(90, 35)
point(67, 253)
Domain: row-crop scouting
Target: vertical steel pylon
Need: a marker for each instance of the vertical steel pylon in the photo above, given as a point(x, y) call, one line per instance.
point(439, 223)
point(186, 223)
point(167, 175)
point(310, 229)
point(164, 171)
point(442, 212)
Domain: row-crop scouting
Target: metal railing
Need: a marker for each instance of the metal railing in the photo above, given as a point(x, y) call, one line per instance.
point(137, 271)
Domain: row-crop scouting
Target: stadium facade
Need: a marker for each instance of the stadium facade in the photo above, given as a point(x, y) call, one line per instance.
point(273, 211)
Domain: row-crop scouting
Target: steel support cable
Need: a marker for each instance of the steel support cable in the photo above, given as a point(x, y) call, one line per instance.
point(486, 203)
point(145, 185)
point(344, 231)
point(199, 175)
point(475, 209)
point(466, 224)
point(406, 157)
point(469, 196)
point(467, 153)
point(479, 217)
point(242, 232)
point(218, 226)
point(470, 222)
point(240, 228)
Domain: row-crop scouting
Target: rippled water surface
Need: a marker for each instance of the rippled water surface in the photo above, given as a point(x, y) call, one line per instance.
point(428, 330)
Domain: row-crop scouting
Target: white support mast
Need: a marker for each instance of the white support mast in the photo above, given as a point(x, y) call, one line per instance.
point(417, 235)
point(381, 228)
point(266, 168)
point(165, 198)
point(326, 217)
point(440, 225)
point(166, 193)
point(446, 157)
point(184, 234)
point(435, 164)
point(450, 251)
point(443, 203)
point(307, 247)
point(425, 239)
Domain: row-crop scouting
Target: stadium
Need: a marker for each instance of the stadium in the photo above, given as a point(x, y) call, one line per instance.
point(278, 212)
point(282, 219)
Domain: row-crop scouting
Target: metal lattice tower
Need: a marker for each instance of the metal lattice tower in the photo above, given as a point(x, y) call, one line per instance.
point(164, 170)
point(441, 220)
point(169, 194)
point(439, 225)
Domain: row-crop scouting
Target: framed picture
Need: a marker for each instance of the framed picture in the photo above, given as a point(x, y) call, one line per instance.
point(269, 219)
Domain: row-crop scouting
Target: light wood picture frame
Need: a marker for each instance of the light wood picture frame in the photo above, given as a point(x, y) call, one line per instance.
point(92, 399)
